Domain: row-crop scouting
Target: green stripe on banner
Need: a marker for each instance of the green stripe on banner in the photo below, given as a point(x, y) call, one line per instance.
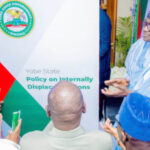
point(136, 21)
point(33, 115)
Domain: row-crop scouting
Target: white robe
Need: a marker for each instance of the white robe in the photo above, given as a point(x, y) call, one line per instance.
point(8, 145)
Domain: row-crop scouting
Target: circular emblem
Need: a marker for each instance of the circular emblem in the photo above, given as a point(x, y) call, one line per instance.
point(16, 19)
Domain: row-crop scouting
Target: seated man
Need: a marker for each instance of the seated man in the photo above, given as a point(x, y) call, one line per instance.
point(65, 106)
point(11, 141)
point(134, 123)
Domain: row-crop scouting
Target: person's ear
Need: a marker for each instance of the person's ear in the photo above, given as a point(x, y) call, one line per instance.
point(48, 111)
point(84, 108)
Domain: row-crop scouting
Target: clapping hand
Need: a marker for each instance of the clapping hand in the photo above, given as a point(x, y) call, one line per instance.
point(120, 84)
point(109, 128)
point(113, 131)
point(119, 81)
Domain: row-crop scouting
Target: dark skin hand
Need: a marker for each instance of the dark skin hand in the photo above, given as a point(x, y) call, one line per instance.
point(113, 131)
point(120, 81)
point(120, 84)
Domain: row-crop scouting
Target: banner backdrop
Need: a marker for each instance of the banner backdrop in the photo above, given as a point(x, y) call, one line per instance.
point(41, 43)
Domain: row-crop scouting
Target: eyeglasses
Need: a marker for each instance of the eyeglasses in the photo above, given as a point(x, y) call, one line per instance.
point(146, 24)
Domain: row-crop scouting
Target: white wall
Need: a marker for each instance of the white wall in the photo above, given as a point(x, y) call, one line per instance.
point(124, 7)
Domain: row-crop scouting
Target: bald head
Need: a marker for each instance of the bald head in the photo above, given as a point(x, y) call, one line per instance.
point(65, 102)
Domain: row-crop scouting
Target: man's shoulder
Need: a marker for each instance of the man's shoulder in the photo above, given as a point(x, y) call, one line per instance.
point(139, 41)
point(99, 134)
point(34, 136)
point(31, 140)
point(137, 46)
point(38, 134)
point(101, 139)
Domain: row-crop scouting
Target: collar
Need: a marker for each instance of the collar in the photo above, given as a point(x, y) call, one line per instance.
point(65, 134)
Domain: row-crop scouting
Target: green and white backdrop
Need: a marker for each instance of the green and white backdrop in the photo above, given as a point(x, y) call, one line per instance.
point(41, 43)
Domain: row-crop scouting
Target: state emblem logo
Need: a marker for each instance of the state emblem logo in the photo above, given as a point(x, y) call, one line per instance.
point(16, 18)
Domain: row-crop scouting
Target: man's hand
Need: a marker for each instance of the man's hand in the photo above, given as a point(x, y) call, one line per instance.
point(1, 117)
point(119, 81)
point(109, 128)
point(120, 92)
point(113, 131)
point(15, 135)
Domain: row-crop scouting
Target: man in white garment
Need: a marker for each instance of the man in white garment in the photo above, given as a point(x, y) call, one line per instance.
point(137, 78)
point(137, 66)
point(65, 106)
point(11, 141)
